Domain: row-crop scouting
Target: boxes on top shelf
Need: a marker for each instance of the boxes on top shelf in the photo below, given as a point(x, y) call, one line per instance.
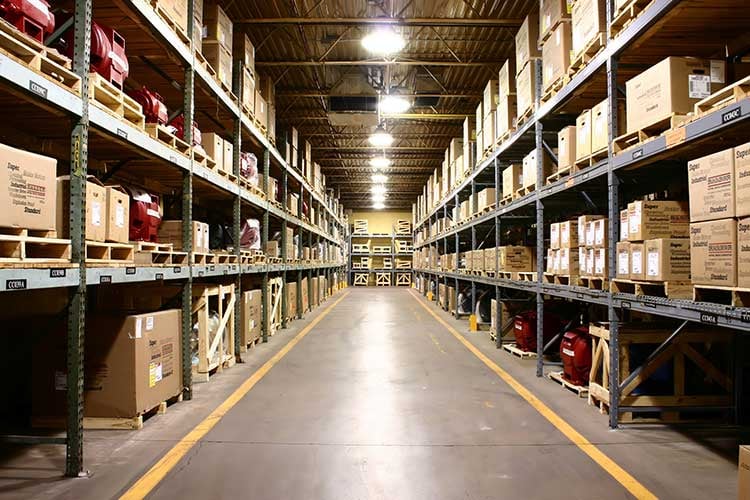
point(490, 97)
point(526, 89)
point(28, 192)
point(589, 22)
point(217, 26)
point(177, 10)
point(556, 55)
point(506, 78)
point(551, 12)
point(506, 113)
point(714, 251)
point(527, 39)
point(248, 91)
point(220, 59)
point(197, 24)
point(244, 51)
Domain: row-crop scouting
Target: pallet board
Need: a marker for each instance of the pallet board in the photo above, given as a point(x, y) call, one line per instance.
point(728, 296)
point(668, 289)
point(514, 350)
point(98, 252)
point(559, 377)
point(22, 247)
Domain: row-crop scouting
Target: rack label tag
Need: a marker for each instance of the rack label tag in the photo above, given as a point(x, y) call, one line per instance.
point(731, 115)
point(57, 273)
point(38, 89)
point(637, 154)
point(129, 270)
point(19, 284)
point(122, 133)
point(709, 318)
point(105, 278)
point(159, 276)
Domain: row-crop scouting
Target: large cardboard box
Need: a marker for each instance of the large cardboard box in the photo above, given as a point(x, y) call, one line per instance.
point(584, 267)
point(601, 233)
point(589, 20)
point(490, 262)
point(515, 258)
point(658, 219)
point(117, 226)
point(490, 97)
point(556, 55)
point(170, 231)
point(624, 229)
point(213, 145)
point(743, 474)
point(527, 39)
point(672, 86)
point(667, 259)
point(177, 12)
point(261, 108)
point(714, 251)
point(711, 185)
point(743, 253)
point(637, 261)
point(512, 179)
point(526, 89)
point(623, 260)
point(566, 147)
point(552, 12)
point(244, 51)
point(554, 235)
point(485, 198)
point(600, 126)
point(583, 135)
point(248, 91)
point(569, 264)
point(217, 26)
point(28, 193)
point(220, 59)
point(250, 316)
point(505, 115)
point(530, 168)
point(569, 234)
point(228, 157)
point(601, 262)
point(742, 180)
point(96, 209)
point(506, 78)
point(290, 253)
point(583, 223)
point(469, 137)
point(488, 131)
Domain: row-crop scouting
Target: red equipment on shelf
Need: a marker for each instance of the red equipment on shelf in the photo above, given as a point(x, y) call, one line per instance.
point(249, 167)
point(178, 129)
point(108, 56)
point(29, 16)
point(250, 234)
point(152, 104)
point(524, 328)
point(145, 216)
point(575, 351)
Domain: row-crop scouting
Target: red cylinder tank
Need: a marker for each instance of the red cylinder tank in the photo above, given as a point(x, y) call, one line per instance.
point(575, 351)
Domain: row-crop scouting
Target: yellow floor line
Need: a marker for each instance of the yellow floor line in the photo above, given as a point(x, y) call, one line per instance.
point(158, 472)
point(610, 466)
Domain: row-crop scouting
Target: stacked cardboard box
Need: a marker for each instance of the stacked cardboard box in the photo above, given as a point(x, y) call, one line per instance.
point(507, 105)
point(529, 177)
point(217, 42)
point(512, 180)
point(469, 140)
point(170, 231)
point(591, 245)
point(563, 255)
point(556, 53)
point(588, 23)
point(245, 52)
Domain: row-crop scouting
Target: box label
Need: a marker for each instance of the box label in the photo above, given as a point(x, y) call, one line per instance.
point(154, 374)
point(636, 264)
point(623, 263)
point(699, 86)
point(149, 323)
point(120, 216)
point(138, 328)
point(652, 264)
point(96, 213)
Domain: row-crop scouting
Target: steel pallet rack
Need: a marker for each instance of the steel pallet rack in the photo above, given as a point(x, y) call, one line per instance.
point(393, 254)
point(92, 127)
point(601, 183)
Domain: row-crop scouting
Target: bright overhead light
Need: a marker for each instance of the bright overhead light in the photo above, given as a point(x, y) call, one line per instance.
point(383, 42)
point(378, 189)
point(378, 206)
point(380, 162)
point(394, 104)
point(379, 178)
point(378, 198)
point(380, 138)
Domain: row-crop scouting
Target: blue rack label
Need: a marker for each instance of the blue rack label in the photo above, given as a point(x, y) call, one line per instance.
point(731, 115)
point(38, 89)
point(122, 133)
point(129, 270)
point(159, 276)
point(637, 153)
point(105, 278)
point(709, 318)
point(57, 273)
point(20, 284)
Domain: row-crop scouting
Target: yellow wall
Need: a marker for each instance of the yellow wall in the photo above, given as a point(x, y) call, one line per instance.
point(380, 221)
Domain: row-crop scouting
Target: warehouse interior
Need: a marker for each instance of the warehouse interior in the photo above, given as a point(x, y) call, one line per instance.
point(375, 249)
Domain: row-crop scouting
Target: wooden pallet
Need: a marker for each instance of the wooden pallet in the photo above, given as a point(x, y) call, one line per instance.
point(639, 137)
point(147, 246)
point(201, 158)
point(161, 258)
point(511, 348)
point(627, 14)
point(559, 377)
point(109, 97)
point(591, 50)
point(167, 18)
point(201, 61)
point(524, 191)
point(202, 258)
point(724, 97)
point(163, 134)
point(593, 283)
point(46, 62)
point(507, 275)
point(561, 173)
point(226, 258)
point(592, 159)
point(502, 138)
point(29, 248)
point(274, 260)
point(667, 289)
point(98, 253)
point(724, 295)
point(524, 117)
point(527, 276)
point(507, 199)
point(554, 88)
point(253, 188)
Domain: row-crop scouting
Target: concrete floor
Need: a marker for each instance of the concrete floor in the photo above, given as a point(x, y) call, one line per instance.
point(380, 401)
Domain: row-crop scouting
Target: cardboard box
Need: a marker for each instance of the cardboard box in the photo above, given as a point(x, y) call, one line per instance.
point(601, 233)
point(583, 264)
point(667, 259)
point(490, 256)
point(117, 227)
point(714, 251)
point(566, 147)
point(711, 185)
point(177, 12)
point(637, 261)
point(530, 168)
point(569, 261)
point(589, 21)
point(485, 198)
point(658, 219)
point(672, 86)
point(583, 226)
point(28, 192)
point(583, 135)
point(743, 474)
point(601, 263)
point(272, 248)
point(506, 78)
point(290, 247)
point(248, 92)
point(455, 150)
point(590, 262)
point(213, 145)
point(590, 232)
point(550, 267)
point(490, 97)
point(512, 179)
point(742, 180)
point(170, 231)
point(217, 26)
point(624, 231)
point(292, 203)
point(556, 55)
point(261, 108)
point(96, 209)
point(526, 41)
point(488, 131)
point(244, 51)
point(505, 115)
point(743, 253)
point(220, 59)
point(515, 258)
point(228, 157)
point(554, 235)
point(600, 126)
point(526, 89)
point(569, 234)
point(623, 260)
point(551, 12)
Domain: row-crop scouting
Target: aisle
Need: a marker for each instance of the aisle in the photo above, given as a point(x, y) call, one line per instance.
point(379, 400)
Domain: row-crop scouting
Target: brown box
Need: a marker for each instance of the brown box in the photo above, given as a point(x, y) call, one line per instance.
point(490, 256)
point(488, 131)
point(290, 253)
point(250, 316)
point(624, 232)
point(569, 264)
point(743, 253)
point(228, 157)
point(590, 232)
point(170, 231)
point(177, 12)
point(743, 474)
point(637, 261)
point(552, 12)
point(623, 260)
point(672, 86)
point(220, 59)
point(569, 234)
point(218, 26)
point(485, 198)
point(248, 91)
point(585, 268)
point(244, 51)
point(566, 147)
point(601, 263)
point(550, 268)
point(600, 126)
point(512, 179)
point(667, 259)
point(515, 258)
point(583, 135)
point(601, 233)
point(489, 101)
point(117, 227)
point(527, 39)
point(506, 78)
point(28, 193)
point(742, 180)
point(556, 55)
point(455, 150)
point(505, 115)
point(292, 203)
point(583, 222)
point(530, 168)
point(589, 21)
point(526, 89)
point(213, 145)
point(658, 219)
point(261, 108)
point(96, 209)
point(272, 248)
point(711, 184)
point(554, 235)
point(714, 251)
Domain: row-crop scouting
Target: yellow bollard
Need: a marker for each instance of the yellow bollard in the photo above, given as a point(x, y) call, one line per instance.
point(473, 323)
point(429, 296)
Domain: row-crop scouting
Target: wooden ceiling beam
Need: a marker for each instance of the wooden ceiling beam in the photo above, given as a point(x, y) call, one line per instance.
point(380, 62)
point(385, 21)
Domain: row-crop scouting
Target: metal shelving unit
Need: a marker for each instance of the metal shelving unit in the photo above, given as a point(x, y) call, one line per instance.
point(601, 182)
point(392, 254)
point(89, 122)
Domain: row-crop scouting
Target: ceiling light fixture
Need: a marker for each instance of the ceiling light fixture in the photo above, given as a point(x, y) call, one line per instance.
point(378, 189)
point(380, 138)
point(383, 42)
point(380, 162)
point(378, 198)
point(379, 178)
point(378, 206)
point(394, 104)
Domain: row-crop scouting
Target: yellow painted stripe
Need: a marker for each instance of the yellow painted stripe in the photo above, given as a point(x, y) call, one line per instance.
point(606, 463)
point(158, 472)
